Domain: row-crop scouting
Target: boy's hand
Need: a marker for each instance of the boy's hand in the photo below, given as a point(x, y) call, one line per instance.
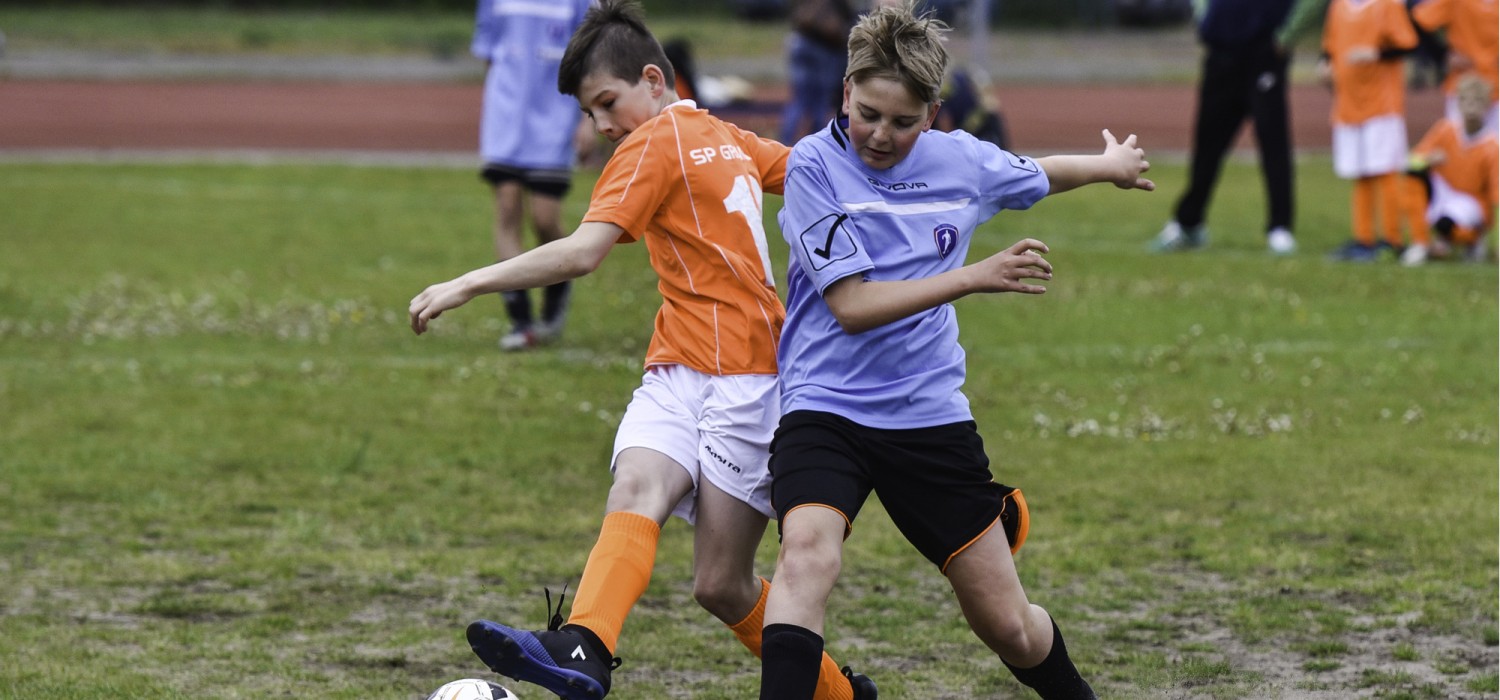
point(1131, 161)
point(434, 300)
point(1008, 270)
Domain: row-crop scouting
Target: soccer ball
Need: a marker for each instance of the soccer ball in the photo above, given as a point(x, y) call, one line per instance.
point(472, 689)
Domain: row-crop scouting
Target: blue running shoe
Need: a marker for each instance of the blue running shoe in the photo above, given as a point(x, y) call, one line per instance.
point(563, 661)
point(1354, 251)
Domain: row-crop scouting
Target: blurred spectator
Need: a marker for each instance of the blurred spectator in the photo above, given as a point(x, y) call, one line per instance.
point(1247, 48)
point(679, 53)
point(1472, 27)
point(1429, 61)
point(816, 58)
point(1364, 44)
point(969, 104)
point(528, 136)
point(1456, 167)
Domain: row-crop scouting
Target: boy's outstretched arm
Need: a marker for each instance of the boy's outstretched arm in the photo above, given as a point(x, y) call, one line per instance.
point(1120, 163)
point(860, 305)
point(558, 261)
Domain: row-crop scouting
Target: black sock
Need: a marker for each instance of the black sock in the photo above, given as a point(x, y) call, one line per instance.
point(1444, 227)
point(791, 657)
point(518, 306)
point(555, 301)
point(1054, 678)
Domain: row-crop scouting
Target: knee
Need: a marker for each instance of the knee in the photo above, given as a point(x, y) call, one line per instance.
point(727, 598)
point(809, 555)
point(1009, 635)
point(637, 492)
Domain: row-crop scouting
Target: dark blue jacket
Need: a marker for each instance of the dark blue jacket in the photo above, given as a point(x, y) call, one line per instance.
point(1240, 23)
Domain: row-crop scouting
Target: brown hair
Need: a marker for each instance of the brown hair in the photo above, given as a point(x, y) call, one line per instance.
point(894, 43)
point(613, 37)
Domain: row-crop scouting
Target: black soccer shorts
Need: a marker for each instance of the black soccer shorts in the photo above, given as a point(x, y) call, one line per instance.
point(549, 182)
point(935, 482)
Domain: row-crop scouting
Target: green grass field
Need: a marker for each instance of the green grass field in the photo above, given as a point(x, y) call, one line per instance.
point(211, 30)
point(231, 471)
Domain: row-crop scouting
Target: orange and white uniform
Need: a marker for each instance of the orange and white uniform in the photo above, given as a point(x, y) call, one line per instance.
point(1474, 32)
point(1465, 183)
point(690, 186)
point(1369, 98)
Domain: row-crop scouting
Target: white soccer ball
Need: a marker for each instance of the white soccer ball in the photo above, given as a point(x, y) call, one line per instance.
point(472, 689)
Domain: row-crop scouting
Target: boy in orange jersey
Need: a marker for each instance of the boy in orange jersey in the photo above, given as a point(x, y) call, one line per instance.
point(1363, 42)
point(1474, 47)
point(1458, 164)
point(695, 438)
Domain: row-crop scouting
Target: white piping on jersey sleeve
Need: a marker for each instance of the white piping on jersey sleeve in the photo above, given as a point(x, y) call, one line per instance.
point(692, 204)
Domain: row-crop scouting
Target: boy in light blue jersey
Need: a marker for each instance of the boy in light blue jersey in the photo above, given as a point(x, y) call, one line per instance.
point(879, 213)
point(528, 134)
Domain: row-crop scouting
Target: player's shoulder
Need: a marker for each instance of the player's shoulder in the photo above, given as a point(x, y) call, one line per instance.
point(826, 149)
point(954, 143)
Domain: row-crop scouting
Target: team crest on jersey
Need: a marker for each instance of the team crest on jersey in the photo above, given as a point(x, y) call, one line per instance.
point(946, 237)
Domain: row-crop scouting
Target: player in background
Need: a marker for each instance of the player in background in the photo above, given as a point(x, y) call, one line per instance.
point(1472, 27)
point(1247, 48)
point(1364, 43)
point(1457, 169)
point(879, 214)
point(528, 135)
point(694, 439)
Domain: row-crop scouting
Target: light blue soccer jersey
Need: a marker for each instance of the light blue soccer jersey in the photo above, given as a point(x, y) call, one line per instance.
point(526, 122)
point(911, 221)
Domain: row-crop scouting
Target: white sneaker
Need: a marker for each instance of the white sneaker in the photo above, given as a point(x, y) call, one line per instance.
point(1174, 237)
point(1415, 255)
point(545, 332)
point(1280, 241)
point(518, 340)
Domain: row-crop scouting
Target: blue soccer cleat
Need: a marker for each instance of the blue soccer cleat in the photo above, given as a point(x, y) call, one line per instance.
point(561, 661)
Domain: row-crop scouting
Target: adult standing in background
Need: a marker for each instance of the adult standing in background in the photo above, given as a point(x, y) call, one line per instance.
point(816, 57)
point(528, 135)
point(1248, 47)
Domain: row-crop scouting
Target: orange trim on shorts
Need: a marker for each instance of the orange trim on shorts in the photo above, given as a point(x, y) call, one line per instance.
point(848, 526)
point(967, 545)
point(1022, 529)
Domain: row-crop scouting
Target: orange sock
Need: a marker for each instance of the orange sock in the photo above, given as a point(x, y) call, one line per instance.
point(1415, 203)
point(1464, 235)
point(1362, 211)
point(617, 573)
point(1389, 188)
point(832, 685)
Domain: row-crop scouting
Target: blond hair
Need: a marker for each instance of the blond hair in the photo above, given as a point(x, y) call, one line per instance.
point(892, 42)
point(1474, 87)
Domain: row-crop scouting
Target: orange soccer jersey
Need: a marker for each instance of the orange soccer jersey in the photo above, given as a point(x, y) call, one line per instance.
point(1365, 90)
point(690, 185)
point(1468, 165)
point(1472, 31)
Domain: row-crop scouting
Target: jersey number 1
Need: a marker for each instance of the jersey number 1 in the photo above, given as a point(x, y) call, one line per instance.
point(745, 200)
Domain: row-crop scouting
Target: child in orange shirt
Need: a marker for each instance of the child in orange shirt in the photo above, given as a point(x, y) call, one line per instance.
point(1473, 28)
point(1363, 41)
point(1458, 165)
point(695, 438)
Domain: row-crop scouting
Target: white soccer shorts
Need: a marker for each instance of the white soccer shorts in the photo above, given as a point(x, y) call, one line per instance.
point(1461, 207)
point(718, 427)
point(1372, 147)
